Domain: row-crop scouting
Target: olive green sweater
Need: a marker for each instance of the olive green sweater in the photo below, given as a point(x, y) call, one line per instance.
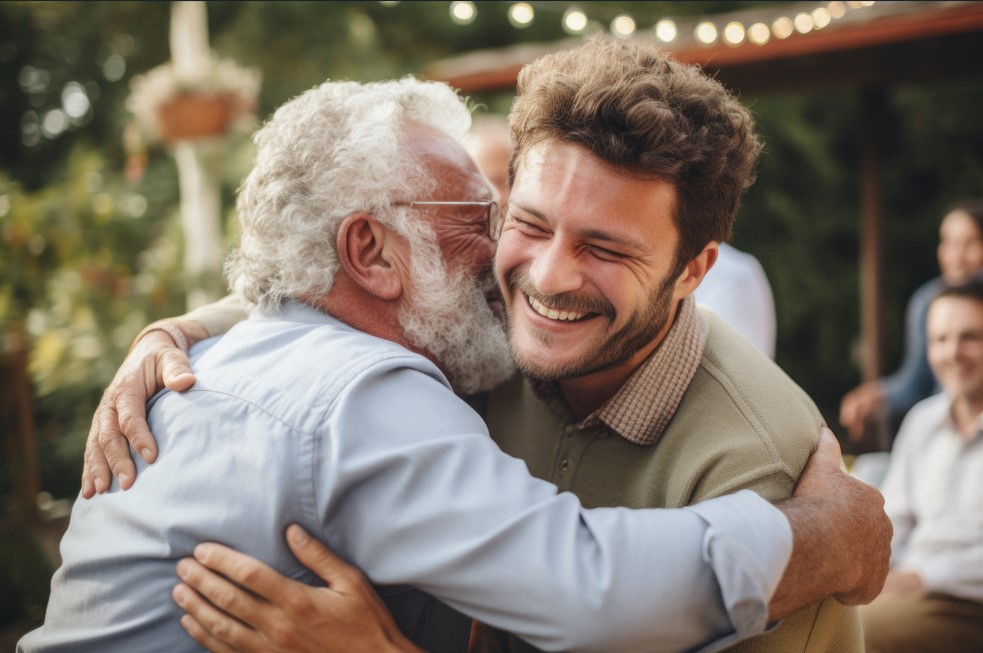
point(738, 423)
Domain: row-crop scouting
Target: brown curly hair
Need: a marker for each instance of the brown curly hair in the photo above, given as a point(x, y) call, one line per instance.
point(636, 108)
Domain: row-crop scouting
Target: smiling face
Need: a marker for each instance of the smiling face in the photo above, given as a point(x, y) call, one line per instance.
point(587, 264)
point(955, 346)
point(960, 247)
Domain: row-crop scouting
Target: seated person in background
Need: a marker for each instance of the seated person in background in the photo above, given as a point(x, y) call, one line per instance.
point(628, 171)
point(932, 601)
point(960, 255)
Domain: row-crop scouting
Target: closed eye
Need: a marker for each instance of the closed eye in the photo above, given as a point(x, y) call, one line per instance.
point(527, 228)
point(606, 254)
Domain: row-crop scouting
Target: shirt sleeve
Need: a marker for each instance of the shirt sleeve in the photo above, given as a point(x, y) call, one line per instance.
point(411, 488)
point(220, 316)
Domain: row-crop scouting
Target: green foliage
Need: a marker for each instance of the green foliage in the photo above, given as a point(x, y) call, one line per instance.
point(84, 263)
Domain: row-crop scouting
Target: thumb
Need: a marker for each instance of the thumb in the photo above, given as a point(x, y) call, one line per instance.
point(829, 446)
point(175, 370)
point(318, 558)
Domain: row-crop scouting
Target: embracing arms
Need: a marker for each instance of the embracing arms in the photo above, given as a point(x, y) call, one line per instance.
point(829, 508)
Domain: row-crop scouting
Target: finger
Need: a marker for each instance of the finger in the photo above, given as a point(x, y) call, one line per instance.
point(96, 476)
point(114, 446)
point(829, 445)
point(175, 370)
point(245, 571)
point(203, 637)
point(131, 409)
point(219, 592)
point(340, 576)
point(213, 625)
point(335, 572)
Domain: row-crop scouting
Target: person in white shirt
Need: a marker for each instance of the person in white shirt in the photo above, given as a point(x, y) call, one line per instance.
point(933, 597)
point(737, 290)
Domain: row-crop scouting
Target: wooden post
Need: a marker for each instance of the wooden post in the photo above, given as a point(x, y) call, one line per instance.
point(872, 111)
point(872, 120)
point(17, 409)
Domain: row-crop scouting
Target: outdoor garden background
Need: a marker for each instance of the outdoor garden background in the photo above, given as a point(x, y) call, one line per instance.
point(91, 241)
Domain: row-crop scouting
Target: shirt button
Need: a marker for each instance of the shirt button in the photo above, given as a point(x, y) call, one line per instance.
point(564, 465)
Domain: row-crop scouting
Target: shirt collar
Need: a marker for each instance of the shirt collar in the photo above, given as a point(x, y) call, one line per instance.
point(953, 428)
point(642, 408)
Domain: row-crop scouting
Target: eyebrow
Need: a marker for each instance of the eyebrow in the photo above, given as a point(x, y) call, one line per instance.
point(589, 234)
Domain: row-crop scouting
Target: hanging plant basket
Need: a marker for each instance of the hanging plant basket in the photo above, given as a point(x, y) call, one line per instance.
point(220, 101)
point(194, 116)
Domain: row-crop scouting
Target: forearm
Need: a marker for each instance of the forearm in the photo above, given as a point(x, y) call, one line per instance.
point(812, 573)
point(218, 317)
point(203, 322)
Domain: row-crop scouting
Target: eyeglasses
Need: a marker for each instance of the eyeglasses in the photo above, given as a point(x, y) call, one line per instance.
point(492, 213)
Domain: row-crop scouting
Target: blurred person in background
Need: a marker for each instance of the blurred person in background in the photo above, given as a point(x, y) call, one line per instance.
point(490, 144)
point(737, 290)
point(960, 254)
point(933, 598)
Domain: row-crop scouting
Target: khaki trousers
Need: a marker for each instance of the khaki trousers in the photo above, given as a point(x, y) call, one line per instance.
point(930, 623)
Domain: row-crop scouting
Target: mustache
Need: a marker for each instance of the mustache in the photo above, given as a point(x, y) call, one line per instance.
point(567, 301)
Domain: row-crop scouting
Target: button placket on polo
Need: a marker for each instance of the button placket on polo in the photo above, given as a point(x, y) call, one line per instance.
point(570, 450)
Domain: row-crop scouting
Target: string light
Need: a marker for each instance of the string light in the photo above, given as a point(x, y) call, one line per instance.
point(665, 30)
point(803, 23)
point(733, 33)
point(759, 34)
point(782, 28)
point(623, 25)
point(574, 20)
point(837, 9)
point(463, 12)
point(705, 33)
point(821, 17)
point(521, 14)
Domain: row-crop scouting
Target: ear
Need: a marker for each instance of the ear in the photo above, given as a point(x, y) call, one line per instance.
point(368, 253)
point(692, 275)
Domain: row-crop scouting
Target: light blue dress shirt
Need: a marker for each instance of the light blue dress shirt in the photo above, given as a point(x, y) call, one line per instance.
point(297, 417)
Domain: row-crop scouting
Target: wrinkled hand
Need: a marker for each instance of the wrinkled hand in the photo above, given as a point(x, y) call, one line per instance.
point(278, 614)
point(858, 406)
point(121, 417)
point(841, 536)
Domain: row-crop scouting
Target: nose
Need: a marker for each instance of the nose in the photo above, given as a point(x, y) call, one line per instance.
point(947, 350)
point(556, 269)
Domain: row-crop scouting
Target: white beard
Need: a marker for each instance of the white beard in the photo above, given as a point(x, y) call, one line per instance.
point(449, 317)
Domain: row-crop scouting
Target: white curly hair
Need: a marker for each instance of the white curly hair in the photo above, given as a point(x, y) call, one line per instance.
point(330, 152)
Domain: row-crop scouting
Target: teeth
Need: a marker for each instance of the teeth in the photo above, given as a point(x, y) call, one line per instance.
point(553, 314)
